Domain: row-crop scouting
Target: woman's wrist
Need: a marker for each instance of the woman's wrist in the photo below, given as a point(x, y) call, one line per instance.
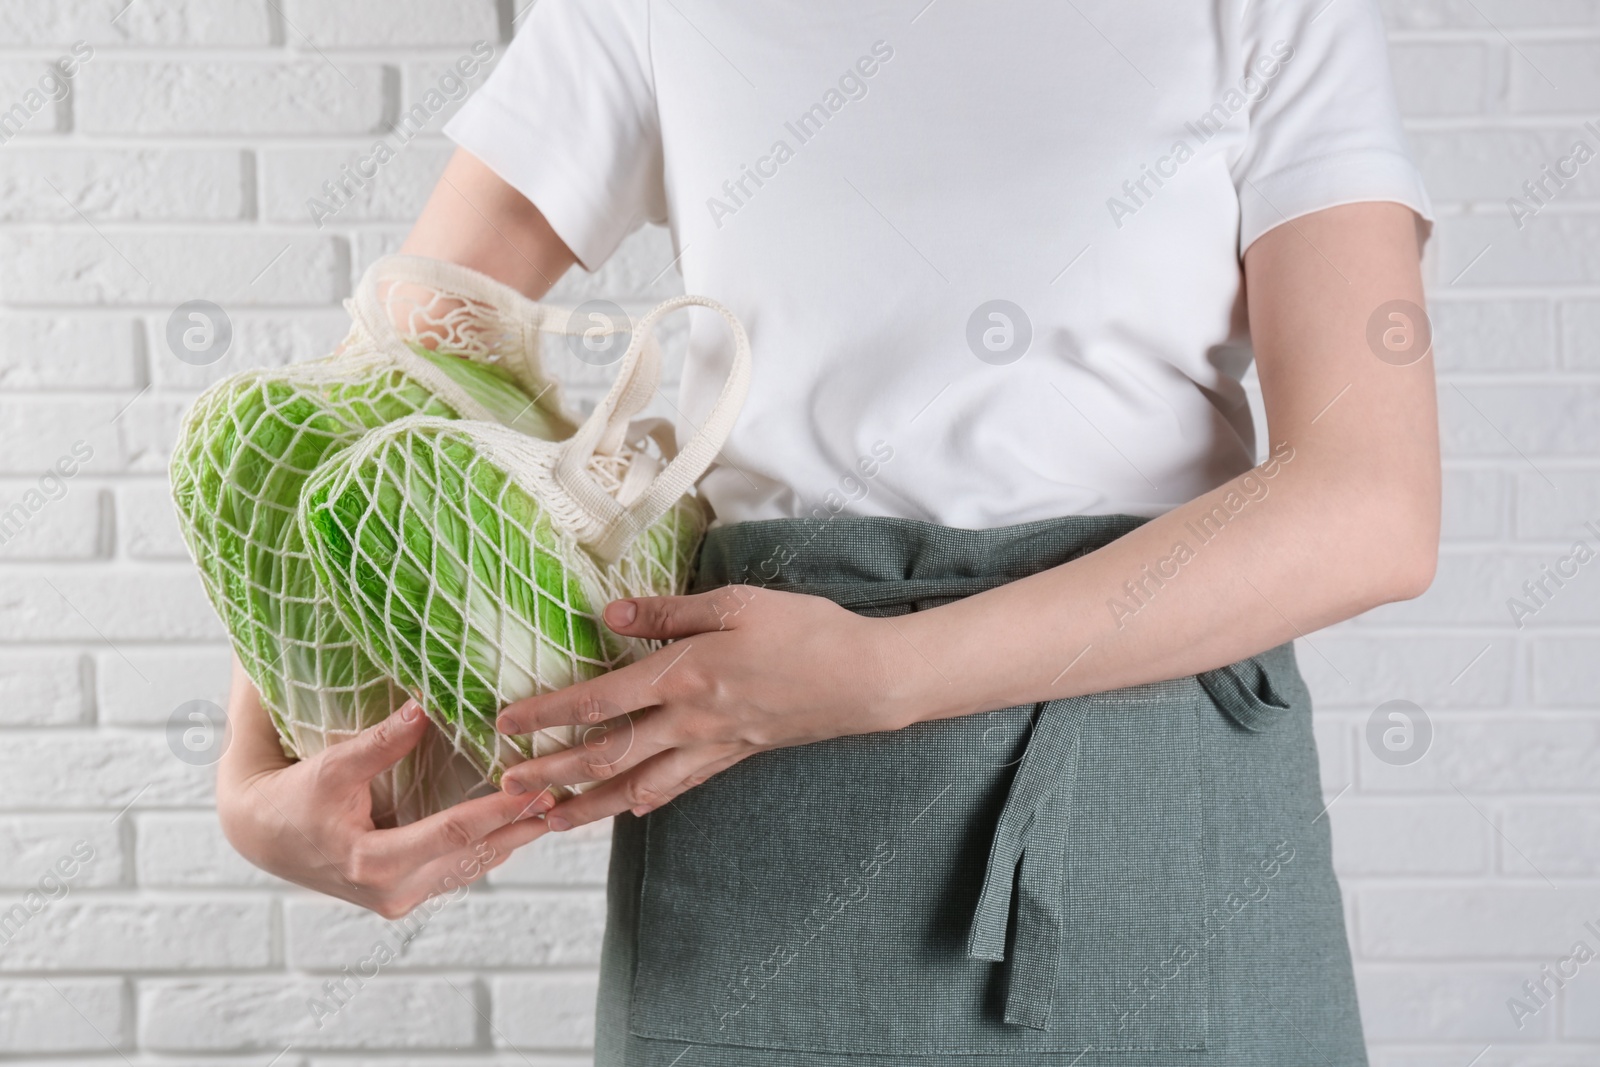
point(912, 685)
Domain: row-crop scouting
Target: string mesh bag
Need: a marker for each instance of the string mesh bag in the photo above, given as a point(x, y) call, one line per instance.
point(472, 562)
point(427, 338)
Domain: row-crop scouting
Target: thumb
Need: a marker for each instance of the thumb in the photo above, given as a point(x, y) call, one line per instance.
point(670, 617)
point(377, 748)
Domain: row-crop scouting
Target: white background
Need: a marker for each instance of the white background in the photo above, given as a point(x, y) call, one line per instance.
point(179, 167)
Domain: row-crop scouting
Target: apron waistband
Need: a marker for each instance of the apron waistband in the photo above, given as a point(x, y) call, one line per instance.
point(886, 566)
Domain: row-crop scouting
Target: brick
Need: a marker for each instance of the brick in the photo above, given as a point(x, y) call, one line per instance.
point(1488, 166)
point(1479, 588)
point(1475, 1055)
point(1445, 922)
point(38, 432)
point(1553, 248)
point(26, 104)
point(117, 266)
point(1475, 504)
point(510, 1058)
point(65, 527)
point(483, 928)
point(64, 1015)
point(188, 850)
point(1388, 837)
point(1486, 14)
point(112, 934)
point(1492, 335)
point(1527, 753)
point(121, 185)
point(579, 857)
point(62, 352)
point(1580, 334)
point(1555, 510)
point(149, 429)
point(147, 525)
point(260, 339)
point(64, 770)
point(545, 1011)
point(96, 604)
point(170, 678)
point(1556, 839)
point(43, 688)
point(1439, 78)
point(170, 22)
point(395, 192)
point(244, 1014)
point(1582, 1013)
point(1554, 76)
point(1422, 667)
point(1480, 419)
point(278, 1058)
point(1564, 672)
point(389, 23)
point(1444, 1004)
point(302, 97)
point(31, 847)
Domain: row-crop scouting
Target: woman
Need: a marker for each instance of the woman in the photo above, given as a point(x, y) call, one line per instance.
point(981, 739)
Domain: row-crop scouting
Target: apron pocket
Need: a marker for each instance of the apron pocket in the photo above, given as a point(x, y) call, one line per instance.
point(822, 898)
point(1257, 693)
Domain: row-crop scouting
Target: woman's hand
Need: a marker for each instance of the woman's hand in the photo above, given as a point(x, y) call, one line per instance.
point(749, 669)
point(310, 821)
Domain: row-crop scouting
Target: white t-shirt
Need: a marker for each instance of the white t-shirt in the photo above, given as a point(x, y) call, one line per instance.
point(862, 182)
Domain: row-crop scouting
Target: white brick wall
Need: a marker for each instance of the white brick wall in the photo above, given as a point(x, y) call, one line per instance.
point(179, 167)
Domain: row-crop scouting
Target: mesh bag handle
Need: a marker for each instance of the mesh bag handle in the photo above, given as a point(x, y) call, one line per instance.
point(616, 524)
point(509, 319)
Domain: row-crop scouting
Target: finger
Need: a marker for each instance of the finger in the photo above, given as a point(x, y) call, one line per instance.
point(601, 752)
point(377, 748)
point(445, 879)
point(643, 789)
point(587, 703)
point(447, 832)
point(668, 618)
point(469, 865)
point(508, 839)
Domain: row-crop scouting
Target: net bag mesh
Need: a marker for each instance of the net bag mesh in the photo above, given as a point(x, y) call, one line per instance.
point(448, 343)
point(473, 561)
point(466, 587)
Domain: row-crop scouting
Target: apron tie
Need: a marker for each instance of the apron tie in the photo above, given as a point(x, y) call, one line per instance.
point(1028, 858)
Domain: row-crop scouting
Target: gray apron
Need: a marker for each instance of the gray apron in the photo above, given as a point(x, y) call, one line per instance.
point(1137, 878)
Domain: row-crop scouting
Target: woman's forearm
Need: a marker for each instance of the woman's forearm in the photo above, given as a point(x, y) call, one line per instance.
point(1276, 554)
point(1342, 518)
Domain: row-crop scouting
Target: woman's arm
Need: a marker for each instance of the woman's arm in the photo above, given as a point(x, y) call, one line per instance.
point(1344, 517)
point(475, 219)
point(309, 821)
point(1347, 520)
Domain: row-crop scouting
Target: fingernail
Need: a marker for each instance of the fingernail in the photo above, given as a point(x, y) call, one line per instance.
point(642, 810)
point(543, 803)
point(621, 612)
point(410, 710)
point(513, 787)
point(506, 724)
point(557, 823)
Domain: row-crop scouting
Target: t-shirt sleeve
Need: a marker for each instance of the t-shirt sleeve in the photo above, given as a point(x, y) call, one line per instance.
point(569, 120)
point(1324, 127)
